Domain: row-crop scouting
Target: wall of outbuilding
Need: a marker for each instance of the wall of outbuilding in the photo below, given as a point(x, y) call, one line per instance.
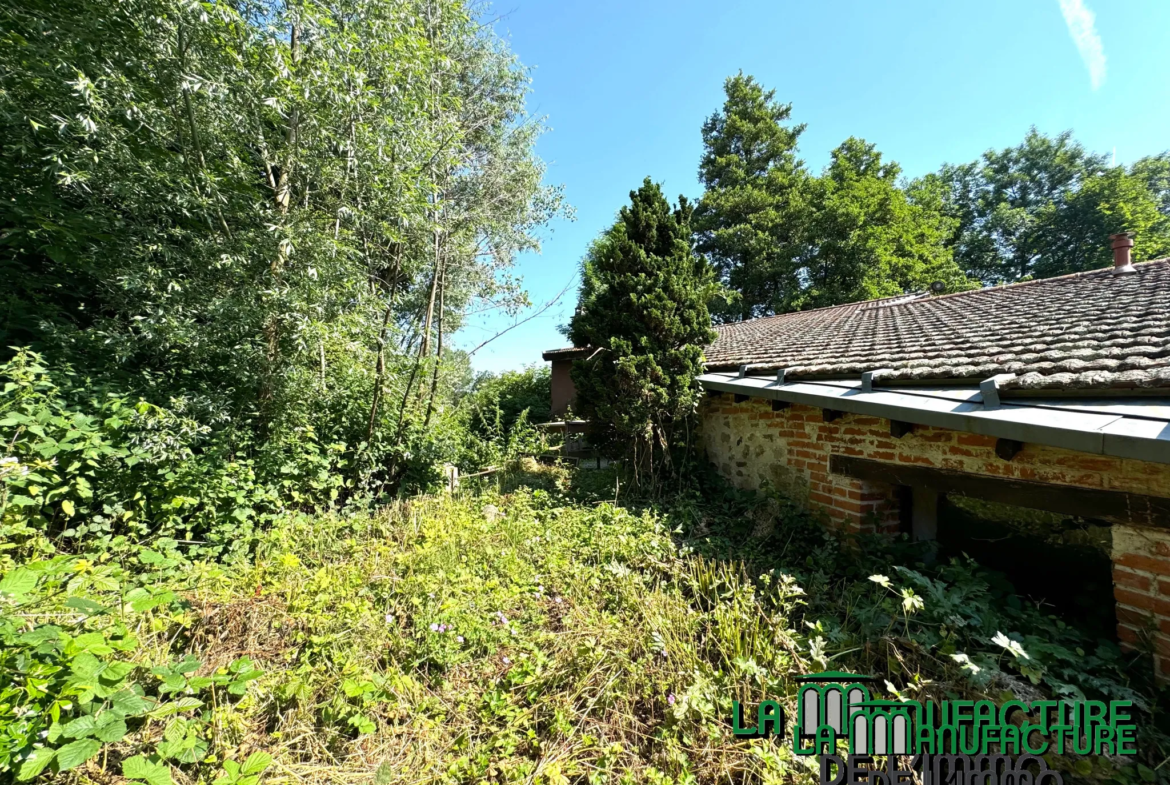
point(754, 446)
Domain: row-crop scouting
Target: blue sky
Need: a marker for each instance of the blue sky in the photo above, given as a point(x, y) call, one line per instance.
point(627, 85)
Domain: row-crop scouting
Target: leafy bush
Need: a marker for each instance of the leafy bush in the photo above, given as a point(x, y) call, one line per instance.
point(501, 413)
point(89, 465)
point(79, 679)
point(496, 402)
point(643, 305)
point(545, 635)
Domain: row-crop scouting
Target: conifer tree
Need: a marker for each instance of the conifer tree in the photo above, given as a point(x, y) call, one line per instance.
point(643, 306)
point(751, 222)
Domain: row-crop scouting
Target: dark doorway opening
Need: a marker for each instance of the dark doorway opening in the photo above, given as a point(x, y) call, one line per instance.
point(1059, 561)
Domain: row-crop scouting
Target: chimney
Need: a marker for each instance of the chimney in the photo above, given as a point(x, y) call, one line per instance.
point(1122, 243)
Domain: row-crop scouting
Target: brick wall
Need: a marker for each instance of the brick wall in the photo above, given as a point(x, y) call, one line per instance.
point(790, 449)
point(1141, 585)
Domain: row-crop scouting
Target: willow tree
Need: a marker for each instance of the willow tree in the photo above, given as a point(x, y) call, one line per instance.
point(268, 210)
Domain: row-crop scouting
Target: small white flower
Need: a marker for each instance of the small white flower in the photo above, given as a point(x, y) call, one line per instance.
point(880, 580)
point(389, 618)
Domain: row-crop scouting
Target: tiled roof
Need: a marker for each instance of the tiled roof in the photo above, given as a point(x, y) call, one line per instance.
point(1089, 330)
point(567, 353)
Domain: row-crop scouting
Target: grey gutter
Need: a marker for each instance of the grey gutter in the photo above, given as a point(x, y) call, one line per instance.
point(1140, 437)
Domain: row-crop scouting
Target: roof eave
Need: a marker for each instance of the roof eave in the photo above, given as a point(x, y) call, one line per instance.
point(1146, 439)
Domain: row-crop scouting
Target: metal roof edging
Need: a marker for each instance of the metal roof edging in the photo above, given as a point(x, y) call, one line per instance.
point(1098, 434)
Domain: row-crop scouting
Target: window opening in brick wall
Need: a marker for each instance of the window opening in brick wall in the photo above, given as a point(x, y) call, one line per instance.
point(1057, 560)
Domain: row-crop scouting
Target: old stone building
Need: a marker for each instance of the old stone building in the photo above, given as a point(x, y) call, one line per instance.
point(1048, 395)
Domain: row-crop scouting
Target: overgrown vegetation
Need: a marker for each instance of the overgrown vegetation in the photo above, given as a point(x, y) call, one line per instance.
point(531, 631)
point(238, 239)
point(266, 220)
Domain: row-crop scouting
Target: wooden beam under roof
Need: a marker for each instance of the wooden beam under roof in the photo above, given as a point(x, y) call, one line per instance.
point(1117, 506)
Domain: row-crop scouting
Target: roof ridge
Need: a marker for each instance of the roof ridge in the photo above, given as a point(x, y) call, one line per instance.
point(1066, 276)
point(858, 303)
point(935, 298)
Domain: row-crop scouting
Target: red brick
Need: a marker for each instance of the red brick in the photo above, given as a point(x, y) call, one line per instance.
point(848, 505)
point(1128, 634)
point(1135, 599)
point(821, 498)
point(975, 440)
point(1134, 617)
point(882, 455)
point(920, 459)
point(1131, 580)
point(1144, 563)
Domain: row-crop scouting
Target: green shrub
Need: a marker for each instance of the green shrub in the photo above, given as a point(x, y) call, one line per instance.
point(78, 678)
point(89, 465)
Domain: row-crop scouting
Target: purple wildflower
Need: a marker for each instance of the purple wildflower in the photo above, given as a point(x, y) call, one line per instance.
point(434, 628)
point(670, 699)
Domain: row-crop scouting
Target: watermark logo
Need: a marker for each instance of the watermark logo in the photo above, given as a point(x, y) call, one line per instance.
point(950, 742)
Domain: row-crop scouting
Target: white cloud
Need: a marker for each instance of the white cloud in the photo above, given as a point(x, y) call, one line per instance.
point(1082, 27)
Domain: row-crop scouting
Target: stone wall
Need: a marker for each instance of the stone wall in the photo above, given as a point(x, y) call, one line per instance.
point(752, 445)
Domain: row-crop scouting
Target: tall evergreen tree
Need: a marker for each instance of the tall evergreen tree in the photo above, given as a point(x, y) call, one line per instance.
point(643, 306)
point(750, 221)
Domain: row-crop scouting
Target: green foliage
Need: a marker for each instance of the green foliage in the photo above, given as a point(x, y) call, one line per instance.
point(782, 239)
point(871, 238)
point(257, 224)
point(76, 682)
point(752, 221)
point(643, 301)
point(86, 466)
point(545, 634)
point(1047, 207)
